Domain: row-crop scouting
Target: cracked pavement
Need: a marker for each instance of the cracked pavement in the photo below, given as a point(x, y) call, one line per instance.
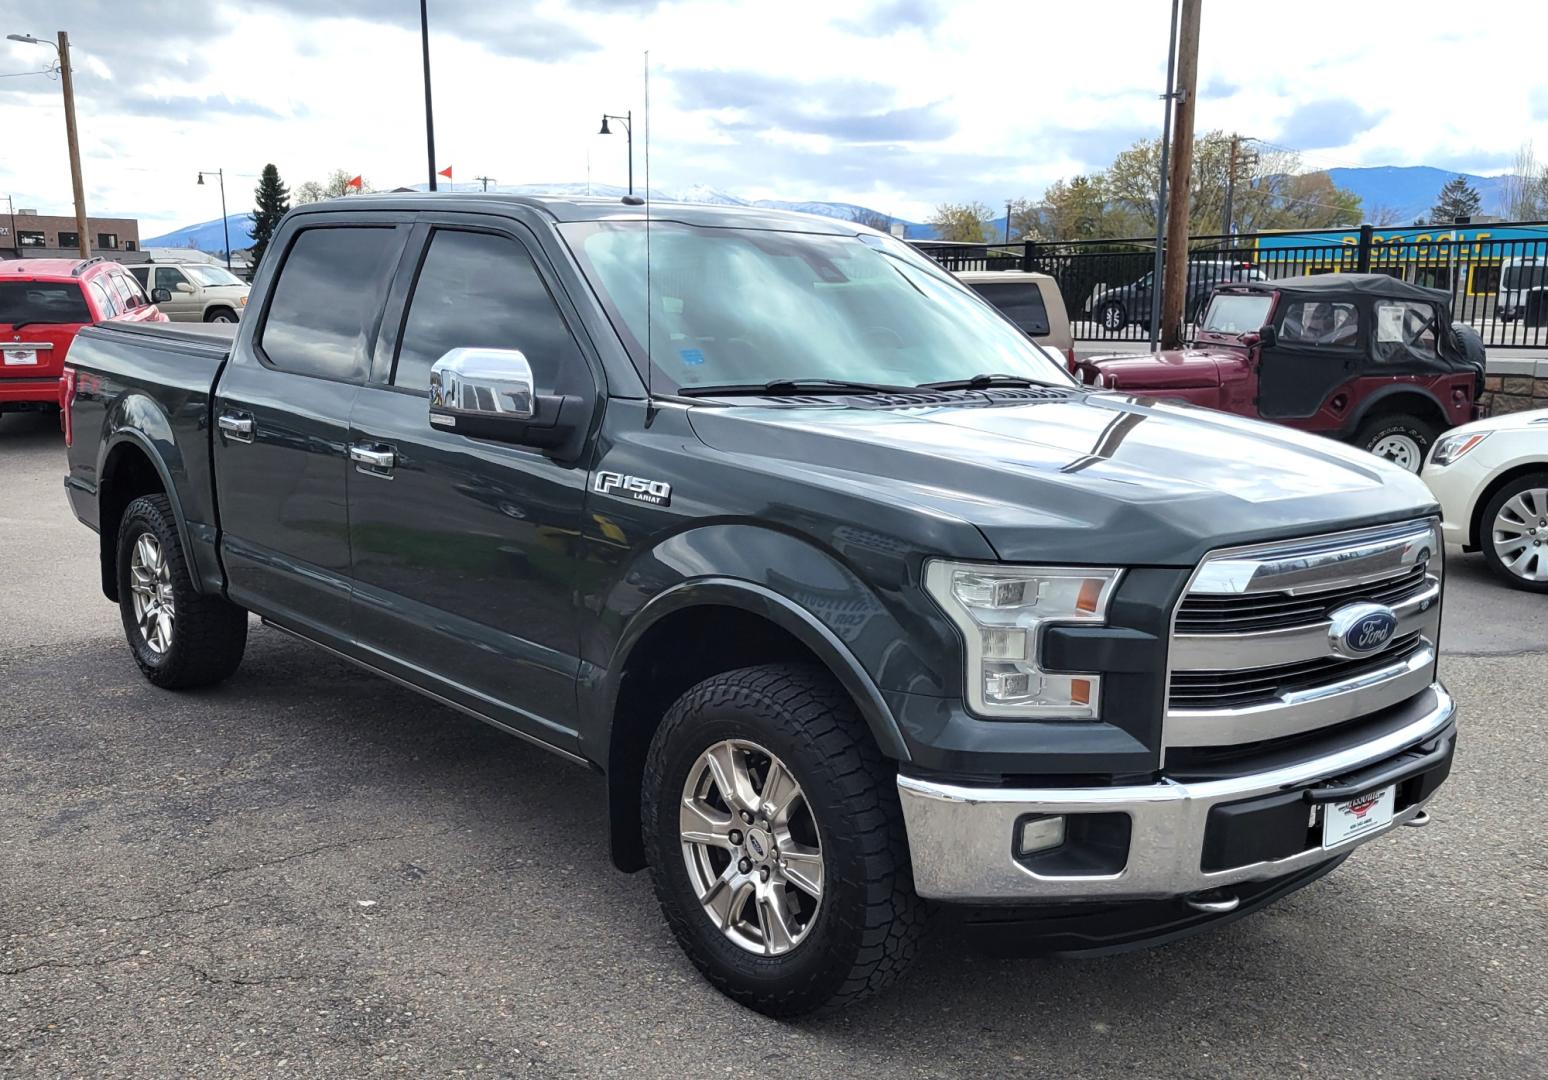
point(311, 872)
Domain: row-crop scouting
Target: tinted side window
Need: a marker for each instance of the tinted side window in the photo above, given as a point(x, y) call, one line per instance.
point(1320, 323)
point(128, 299)
point(168, 278)
point(327, 297)
point(480, 290)
point(1022, 304)
point(141, 274)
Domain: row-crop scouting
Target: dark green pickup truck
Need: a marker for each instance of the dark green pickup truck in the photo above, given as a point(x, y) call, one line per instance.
point(859, 601)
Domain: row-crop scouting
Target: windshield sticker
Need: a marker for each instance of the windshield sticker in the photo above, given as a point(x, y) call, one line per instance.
point(691, 356)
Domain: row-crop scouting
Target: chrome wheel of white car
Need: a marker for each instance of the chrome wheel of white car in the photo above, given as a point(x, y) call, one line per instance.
point(1519, 534)
point(150, 587)
point(751, 847)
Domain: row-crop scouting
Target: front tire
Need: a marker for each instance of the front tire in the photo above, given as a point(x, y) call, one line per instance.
point(1403, 440)
point(810, 904)
point(221, 315)
point(1112, 317)
point(1513, 532)
point(181, 638)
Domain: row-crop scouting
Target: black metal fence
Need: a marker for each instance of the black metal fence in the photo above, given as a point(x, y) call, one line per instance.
point(1496, 275)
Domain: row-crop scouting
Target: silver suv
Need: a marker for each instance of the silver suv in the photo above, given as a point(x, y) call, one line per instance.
point(193, 291)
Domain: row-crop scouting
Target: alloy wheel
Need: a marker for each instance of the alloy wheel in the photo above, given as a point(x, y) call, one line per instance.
point(150, 587)
point(751, 847)
point(1520, 534)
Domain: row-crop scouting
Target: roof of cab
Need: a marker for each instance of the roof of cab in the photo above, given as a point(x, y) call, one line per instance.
point(1326, 286)
point(587, 208)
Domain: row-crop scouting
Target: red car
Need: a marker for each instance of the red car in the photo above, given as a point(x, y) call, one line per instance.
point(1363, 358)
point(43, 302)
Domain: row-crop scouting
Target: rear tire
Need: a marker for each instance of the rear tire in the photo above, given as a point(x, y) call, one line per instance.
point(1403, 440)
point(862, 929)
point(180, 637)
point(1511, 547)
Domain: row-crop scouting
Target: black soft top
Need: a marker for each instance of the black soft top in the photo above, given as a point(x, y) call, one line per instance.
point(1327, 286)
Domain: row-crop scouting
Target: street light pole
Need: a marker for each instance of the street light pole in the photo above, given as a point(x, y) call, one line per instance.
point(225, 225)
point(628, 123)
point(67, 79)
point(424, 40)
point(1007, 220)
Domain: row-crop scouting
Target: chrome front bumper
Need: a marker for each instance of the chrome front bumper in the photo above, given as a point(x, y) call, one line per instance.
point(961, 838)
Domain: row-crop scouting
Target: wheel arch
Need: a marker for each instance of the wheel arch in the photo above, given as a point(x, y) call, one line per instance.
point(130, 468)
point(1400, 400)
point(732, 623)
point(1490, 490)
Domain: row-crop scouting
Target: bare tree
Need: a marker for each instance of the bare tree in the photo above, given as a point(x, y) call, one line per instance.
point(871, 219)
point(1384, 215)
point(1526, 187)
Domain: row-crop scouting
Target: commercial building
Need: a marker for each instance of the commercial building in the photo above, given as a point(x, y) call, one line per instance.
point(28, 234)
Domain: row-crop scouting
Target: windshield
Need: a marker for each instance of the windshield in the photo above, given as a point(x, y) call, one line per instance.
point(750, 306)
point(1525, 277)
point(42, 302)
point(212, 275)
point(1235, 314)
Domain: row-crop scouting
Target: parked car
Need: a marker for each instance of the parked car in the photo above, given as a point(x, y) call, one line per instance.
point(43, 303)
point(1131, 303)
point(1363, 358)
point(1031, 301)
point(196, 292)
point(1491, 479)
point(853, 595)
point(1520, 279)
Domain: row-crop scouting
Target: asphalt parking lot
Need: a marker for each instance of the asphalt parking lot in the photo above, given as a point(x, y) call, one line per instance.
point(311, 872)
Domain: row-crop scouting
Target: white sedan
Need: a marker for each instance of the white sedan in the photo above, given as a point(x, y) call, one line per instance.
point(1491, 479)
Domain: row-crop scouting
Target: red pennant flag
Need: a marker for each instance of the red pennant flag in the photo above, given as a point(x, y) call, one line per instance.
point(446, 172)
point(355, 183)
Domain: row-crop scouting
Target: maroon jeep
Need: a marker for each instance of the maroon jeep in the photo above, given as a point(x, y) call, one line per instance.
point(1363, 358)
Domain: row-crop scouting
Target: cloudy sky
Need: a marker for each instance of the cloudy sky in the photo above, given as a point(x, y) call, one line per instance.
point(894, 104)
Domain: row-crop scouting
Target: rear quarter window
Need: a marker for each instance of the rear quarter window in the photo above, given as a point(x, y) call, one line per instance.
point(1021, 303)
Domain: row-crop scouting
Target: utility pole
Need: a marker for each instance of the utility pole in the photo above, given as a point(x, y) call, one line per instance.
point(486, 181)
point(1157, 269)
point(424, 39)
point(1175, 280)
point(1236, 148)
point(67, 80)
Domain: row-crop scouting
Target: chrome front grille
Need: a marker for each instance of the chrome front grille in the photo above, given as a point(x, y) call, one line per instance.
point(1269, 611)
point(1255, 655)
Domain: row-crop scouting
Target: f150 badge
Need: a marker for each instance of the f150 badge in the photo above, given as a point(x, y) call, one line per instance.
point(654, 492)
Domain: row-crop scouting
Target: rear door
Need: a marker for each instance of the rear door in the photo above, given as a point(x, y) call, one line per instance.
point(465, 550)
point(1318, 349)
point(282, 416)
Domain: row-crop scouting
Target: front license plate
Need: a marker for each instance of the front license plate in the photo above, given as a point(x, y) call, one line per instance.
point(1343, 821)
point(20, 357)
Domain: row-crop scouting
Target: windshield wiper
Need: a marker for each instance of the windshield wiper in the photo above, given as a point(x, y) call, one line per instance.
point(983, 381)
point(793, 386)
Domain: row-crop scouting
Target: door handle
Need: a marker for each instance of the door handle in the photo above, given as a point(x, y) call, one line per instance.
point(238, 427)
point(376, 459)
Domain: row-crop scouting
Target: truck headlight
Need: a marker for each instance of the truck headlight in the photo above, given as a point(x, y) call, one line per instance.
point(1450, 447)
point(1002, 612)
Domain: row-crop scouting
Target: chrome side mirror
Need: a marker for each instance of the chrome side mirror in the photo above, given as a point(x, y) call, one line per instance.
point(473, 383)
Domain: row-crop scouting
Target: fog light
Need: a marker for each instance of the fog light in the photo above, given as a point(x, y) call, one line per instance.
point(1040, 834)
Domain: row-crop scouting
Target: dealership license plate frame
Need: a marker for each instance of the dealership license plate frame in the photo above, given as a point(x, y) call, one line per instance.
point(1343, 822)
point(20, 357)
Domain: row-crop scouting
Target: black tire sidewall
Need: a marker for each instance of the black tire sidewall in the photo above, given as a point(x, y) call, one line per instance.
point(1486, 531)
point(821, 962)
point(149, 515)
point(1373, 431)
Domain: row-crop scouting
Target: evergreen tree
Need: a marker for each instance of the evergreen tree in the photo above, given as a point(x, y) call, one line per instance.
point(272, 203)
point(1457, 199)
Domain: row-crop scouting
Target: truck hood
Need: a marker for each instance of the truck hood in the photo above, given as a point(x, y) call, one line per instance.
point(1172, 369)
point(1076, 477)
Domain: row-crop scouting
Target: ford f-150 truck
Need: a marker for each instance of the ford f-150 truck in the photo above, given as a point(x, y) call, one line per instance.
point(861, 603)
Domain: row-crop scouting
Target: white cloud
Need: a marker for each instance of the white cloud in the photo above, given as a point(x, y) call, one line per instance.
point(894, 104)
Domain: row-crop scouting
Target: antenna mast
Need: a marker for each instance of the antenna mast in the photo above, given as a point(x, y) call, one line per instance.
point(650, 398)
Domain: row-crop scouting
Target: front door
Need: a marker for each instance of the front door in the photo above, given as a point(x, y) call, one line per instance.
point(464, 549)
point(184, 305)
point(1317, 349)
point(282, 424)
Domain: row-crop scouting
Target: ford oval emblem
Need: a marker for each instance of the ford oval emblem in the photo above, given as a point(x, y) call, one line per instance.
point(1362, 629)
